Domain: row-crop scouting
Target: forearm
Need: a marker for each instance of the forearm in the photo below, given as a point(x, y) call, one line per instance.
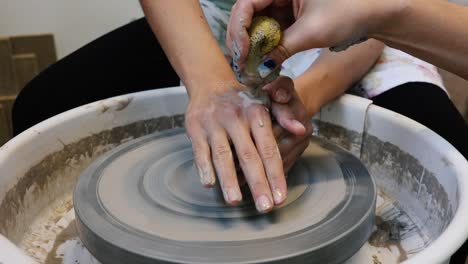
point(333, 73)
point(433, 30)
point(186, 38)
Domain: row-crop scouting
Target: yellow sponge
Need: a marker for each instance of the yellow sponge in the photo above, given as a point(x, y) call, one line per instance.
point(265, 35)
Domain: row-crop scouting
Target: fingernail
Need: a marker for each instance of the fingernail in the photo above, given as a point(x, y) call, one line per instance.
point(281, 96)
point(232, 195)
point(266, 67)
point(298, 125)
point(235, 66)
point(278, 196)
point(263, 203)
point(239, 76)
point(236, 50)
point(205, 177)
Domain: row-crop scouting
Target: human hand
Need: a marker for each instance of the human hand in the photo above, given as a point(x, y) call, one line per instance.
point(230, 114)
point(305, 25)
point(292, 128)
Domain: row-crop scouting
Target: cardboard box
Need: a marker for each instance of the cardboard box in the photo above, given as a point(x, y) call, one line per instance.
point(4, 127)
point(26, 68)
point(42, 45)
point(7, 80)
point(7, 103)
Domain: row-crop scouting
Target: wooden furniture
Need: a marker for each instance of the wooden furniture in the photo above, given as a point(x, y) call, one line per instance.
point(21, 59)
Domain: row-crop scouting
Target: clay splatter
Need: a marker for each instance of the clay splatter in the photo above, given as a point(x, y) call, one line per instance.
point(388, 234)
point(68, 233)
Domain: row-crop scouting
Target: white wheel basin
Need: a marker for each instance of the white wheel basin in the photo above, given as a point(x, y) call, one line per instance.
point(422, 179)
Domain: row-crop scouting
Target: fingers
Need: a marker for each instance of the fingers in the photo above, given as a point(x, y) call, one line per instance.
point(293, 40)
point(237, 38)
point(251, 165)
point(292, 129)
point(280, 90)
point(291, 149)
point(291, 146)
point(279, 132)
point(288, 119)
point(240, 174)
point(260, 123)
point(285, 49)
point(247, 128)
point(284, 105)
point(202, 157)
point(224, 164)
point(201, 152)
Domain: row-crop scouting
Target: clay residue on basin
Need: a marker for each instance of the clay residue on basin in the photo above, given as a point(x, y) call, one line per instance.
point(348, 139)
point(56, 174)
point(388, 234)
point(67, 234)
point(399, 174)
point(403, 176)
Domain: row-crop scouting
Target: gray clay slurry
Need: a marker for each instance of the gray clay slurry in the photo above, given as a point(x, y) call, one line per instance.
point(143, 203)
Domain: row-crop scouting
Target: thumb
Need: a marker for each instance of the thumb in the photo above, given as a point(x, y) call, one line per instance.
point(280, 90)
point(287, 119)
point(293, 41)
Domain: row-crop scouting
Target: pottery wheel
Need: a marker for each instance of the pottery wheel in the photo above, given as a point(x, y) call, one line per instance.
point(143, 203)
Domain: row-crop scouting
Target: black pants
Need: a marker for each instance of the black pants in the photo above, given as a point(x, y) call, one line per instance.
point(130, 59)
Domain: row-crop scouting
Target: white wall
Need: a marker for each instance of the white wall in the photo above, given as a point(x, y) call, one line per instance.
point(73, 22)
point(461, 2)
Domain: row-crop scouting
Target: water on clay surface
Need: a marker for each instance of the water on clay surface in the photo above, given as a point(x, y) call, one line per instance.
point(52, 238)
